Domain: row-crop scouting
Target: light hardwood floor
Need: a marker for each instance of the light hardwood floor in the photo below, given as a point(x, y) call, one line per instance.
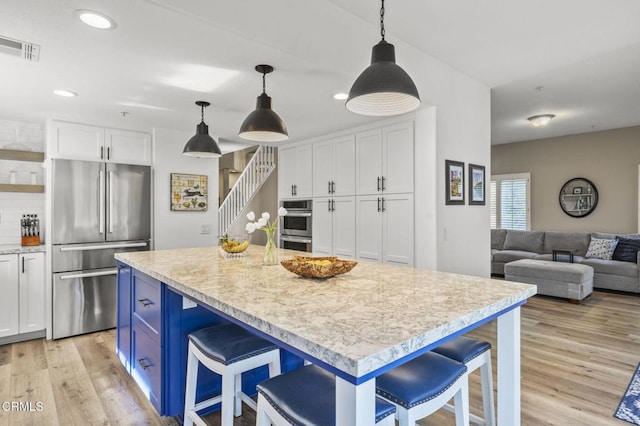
point(576, 363)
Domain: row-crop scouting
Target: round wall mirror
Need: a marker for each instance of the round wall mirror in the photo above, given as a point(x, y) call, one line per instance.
point(578, 197)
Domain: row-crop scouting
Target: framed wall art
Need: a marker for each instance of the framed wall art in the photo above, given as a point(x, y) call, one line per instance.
point(477, 185)
point(454, 180)
point(189, 192)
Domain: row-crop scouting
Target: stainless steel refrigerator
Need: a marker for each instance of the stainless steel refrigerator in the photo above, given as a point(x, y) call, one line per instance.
point(98, 209)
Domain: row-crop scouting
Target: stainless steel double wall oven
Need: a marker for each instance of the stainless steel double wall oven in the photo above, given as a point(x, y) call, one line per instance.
point(296, 226)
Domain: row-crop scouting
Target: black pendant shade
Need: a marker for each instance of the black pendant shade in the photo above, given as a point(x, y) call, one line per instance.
point(202, 145)
point(383, 88)
point(263, 124)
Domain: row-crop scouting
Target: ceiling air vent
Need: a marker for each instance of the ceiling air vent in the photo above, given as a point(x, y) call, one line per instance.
point(23, 49)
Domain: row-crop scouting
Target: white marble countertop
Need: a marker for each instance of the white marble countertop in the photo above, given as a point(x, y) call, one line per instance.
point(17, 249)
point(357, 322)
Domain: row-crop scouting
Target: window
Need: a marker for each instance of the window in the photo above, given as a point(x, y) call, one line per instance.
point(509, 202)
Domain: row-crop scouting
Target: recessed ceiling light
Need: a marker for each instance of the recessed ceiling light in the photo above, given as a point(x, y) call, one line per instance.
point(540, 120)
point(65, 93)
point(340, 96)
point(96, 19)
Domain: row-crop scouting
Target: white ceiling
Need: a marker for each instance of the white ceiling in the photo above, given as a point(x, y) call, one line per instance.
point(164, 55)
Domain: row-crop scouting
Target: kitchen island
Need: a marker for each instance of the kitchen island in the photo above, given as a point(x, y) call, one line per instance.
point(357, 325)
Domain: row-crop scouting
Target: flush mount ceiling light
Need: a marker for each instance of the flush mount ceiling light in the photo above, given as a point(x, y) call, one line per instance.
point(540, 120)
point(263, 124)
point(65, 93)
point(96, 19)
point(383, 88)
point(202, 145)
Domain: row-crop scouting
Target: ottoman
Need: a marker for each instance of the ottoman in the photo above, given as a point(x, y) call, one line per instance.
point(572, 281)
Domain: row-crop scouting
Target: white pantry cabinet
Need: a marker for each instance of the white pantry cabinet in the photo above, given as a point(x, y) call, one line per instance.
point(334, 227)
point(334, 164)
point(22, 305)
point(295, 175)
point(75, 141)
point(384, 160)
point(385, 228)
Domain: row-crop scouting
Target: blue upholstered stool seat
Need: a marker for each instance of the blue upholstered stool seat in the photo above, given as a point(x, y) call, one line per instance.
point(229, 343)
point(419, 380)
point(307, 396)
point(463, 349)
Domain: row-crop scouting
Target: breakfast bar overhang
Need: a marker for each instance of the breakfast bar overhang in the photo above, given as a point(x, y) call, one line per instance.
point(357, 325)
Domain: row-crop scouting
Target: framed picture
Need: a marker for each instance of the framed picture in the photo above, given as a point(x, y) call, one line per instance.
point(189, 192)
point(577, 190)
point(454, 180)
point(476, 185)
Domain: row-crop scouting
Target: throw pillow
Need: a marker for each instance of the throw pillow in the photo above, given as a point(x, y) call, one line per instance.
point(600, 248)
point(627, 250)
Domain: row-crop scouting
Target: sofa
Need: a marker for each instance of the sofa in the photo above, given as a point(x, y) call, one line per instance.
point(612, 274)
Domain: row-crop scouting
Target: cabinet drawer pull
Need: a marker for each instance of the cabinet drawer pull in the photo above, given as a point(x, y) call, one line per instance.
point(23, 265)
point(145, 302)
point(142, 364)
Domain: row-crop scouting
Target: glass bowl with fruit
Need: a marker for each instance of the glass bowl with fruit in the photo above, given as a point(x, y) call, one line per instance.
point(233, 244)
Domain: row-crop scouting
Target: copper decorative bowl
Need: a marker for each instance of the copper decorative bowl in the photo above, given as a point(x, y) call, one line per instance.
point(318, 267)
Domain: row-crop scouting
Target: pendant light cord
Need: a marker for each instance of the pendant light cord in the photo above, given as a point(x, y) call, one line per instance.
point(264, 84)
point(382, 20)
point(202, 113)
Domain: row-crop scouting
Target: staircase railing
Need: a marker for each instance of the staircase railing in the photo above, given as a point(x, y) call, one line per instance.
point(259, 168)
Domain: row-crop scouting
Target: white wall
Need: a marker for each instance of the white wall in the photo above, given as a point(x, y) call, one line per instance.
point(181, 229)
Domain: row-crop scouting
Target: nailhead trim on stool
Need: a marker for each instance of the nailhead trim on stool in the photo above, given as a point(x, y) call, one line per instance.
point(424, 385)
point(306, 396)
point(228, 350)
point(474, 354)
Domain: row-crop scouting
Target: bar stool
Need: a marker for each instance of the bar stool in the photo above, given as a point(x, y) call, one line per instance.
point(423, 385)
point(228, 350)
point(474, 354)
point(306, 396)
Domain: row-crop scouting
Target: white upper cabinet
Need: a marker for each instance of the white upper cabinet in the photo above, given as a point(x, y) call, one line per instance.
point(295, 176)
point(385, 160)
point(74, 141)
point(334, 167)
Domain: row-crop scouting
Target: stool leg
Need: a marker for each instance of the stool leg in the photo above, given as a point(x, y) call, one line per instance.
point(486, 376)
point(237, 410)
point(228, 382)
point(461, 402)
point(274, 366)
point(262, 419)
point(190, 392)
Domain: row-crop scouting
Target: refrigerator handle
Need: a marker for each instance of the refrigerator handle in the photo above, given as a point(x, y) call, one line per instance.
point(110, 186)
point(103, 246)
point(101, 202)
point(89, 274)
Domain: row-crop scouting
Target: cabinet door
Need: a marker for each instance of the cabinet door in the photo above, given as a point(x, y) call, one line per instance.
point(344, 227)
point(127, 147)
point(323, 166)
point(322, 227)
point(369, 228)
point(123, 316)
point(287, 171)
point(9, 313)
point(32, 292)
point(344, 162)
point(304, 172)
point(397, 230)
point(398, 158)
point(368, 162)
point(76, 141)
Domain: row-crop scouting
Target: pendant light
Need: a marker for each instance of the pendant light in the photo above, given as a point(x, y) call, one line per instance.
point(383, 88)
point(202, 145)
point(263, 124)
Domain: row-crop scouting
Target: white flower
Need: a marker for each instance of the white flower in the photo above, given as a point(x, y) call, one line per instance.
point(282, 211)
point(266, 216)
point(251, 216)
point(250, 227)
point(262, 222)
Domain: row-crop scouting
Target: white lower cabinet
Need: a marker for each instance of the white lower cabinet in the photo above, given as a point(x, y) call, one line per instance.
point(334, 227)
point(385, 228)
point(22, 282)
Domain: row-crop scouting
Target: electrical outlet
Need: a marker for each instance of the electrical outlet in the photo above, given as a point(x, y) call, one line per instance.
point(205, 229)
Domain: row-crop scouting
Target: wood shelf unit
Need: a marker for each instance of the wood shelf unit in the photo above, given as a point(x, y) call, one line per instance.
point(10, 154)
point(9, 187)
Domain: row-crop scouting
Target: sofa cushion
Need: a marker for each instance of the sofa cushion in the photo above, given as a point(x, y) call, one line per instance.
point(524, 240)
point(511, 255)
point(497, 238)
point(600, 248)
point(627, 250)
point(578, 242)
point(613, 267)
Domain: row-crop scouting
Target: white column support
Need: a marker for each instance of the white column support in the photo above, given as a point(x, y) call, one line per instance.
point(355, 405)
point(509, 368)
